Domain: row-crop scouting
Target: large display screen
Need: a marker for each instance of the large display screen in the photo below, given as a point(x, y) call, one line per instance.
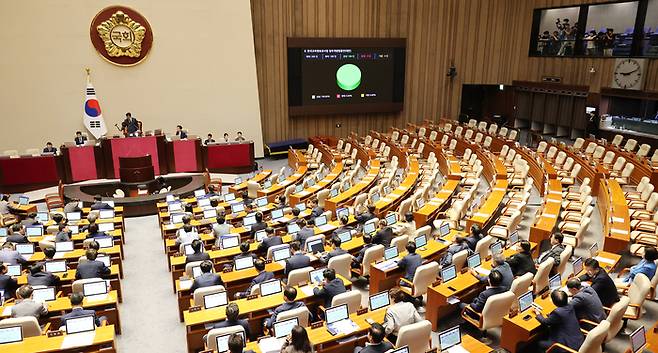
point(345, 75)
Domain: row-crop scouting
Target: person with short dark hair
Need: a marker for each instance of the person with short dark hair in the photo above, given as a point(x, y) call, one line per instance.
point(367, 244)
point(646, 266)
point(602, 284)
point(130, 125)
point(316, 210)
point(259, 225)
point(226, 137)
point(291, 303)
point(297, 341)
point(297, 260)
point(4, 204)
point(495, 287)
point(182, 134)
point(384, 235)
point(63, 233)
point(585, 301)
point(77, 310)
point(336, 251)
point(93, 232)
point(459, 244)
point(306, 231)
point(79, 138)
point(236, 344)
point(330, 287)
point(407, 226)
point(344, 225)
point(262, 276)
point(474, 237)
point(499, 264)
point(9, 255)
point(17, 234)
point(367, 215)
point(207, 278)
point(375, 342)
point(26, 306)
point(221, 229)
point(7, 284)
point(92, 268)
point(245, 251)
point(39, 277)
point(272, 239)
point(208, 140)
point(555, 251)
point(522, 262)
point(30, 220)
point(49, 148)
point(198, 254)
point(72, 206)
point(562, 324)
point(239, 138)
point(233, 319)
point(409, 263)
point(99, 204)
point(186, 234)
point(399, 313)
point(49, 253)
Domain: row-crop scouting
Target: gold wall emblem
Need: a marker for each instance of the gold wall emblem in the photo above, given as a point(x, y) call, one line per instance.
point(122, 35)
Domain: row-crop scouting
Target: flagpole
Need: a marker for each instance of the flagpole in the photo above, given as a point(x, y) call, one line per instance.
point(88, 70)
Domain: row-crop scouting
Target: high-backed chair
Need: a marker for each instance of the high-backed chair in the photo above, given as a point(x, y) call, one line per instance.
point(512, 135)
point(637, 293)
point(521, 284)
point(211, 338)
point(616, 141)
point(400, 242)
point(298, 276)
point(351, 298)
point(341, 264)
point(495, 309)
point(616, 316)
point(482, 246)
point(644, 150)
point(459, 259)
point(77, 285)
point(252, 189)
point(416, 336)
point(578, 144)
point(372, 254)
point(199, 293)
point(540, 281)
point(322, 197)
point(564, 259)
point(302, 314)
point(425, 275)
point(271, 249)
point(189, 266)
point(630, 145)
point(593, 341)
point(29, 325)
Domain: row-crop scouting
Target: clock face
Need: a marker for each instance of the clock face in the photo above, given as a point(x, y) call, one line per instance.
point(628, 74)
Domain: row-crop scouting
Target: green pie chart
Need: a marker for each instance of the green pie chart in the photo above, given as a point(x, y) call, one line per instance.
point(348, 77)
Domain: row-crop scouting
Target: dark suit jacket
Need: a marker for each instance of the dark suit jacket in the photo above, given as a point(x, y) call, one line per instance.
point(269, 242)
point(553, 252)
point(43, 279)
point(49, 150)
point(329, 290)
point(80, 140)
point(260, 278)
point(78, 312)
point(362, 252)
point(335, 252)
point(91, 269)
point(244, 323)
point(304, 234)
point(17, 238)
point(62, 236)
point(343, 229)
point(9, 285)
point(364, 217)
point(604, 286)
point(197, 257)
point(206, 280)
point(281, 308)
point(472, 241)
point(257, 226)
point(377, 348)
point(384, 237)
point(563, 327)
point(99, 234)
point(297, 261)
point(317, 212)
point(478, 303)
point(521, 264)
point(587, 305)
point(409, 264)
point(100, 206)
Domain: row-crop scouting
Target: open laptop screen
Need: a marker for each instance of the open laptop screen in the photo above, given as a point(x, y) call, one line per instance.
point(11, 334)
point(379, 300)
point(283, 328)
point(337, 313)
point(80, 324)
point(450, 338)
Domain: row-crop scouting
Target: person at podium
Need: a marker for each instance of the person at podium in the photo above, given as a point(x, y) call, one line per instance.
point(180, 132)
point(49, 148)
point(79, 139)
point(130, 125)
point(226, 138)
point(209, 140)
point(240, 138)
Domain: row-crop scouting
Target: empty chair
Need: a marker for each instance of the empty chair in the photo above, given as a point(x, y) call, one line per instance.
point(644, 150)
point(322, 197)
point(482, 126)
point(302, 314)
point(619, 164)
point(341, 264)
point(503, 132)
point(447, 127)
point(416, 336)
point(540, 281)
point(630, 145)
point(624, 177)
point(495, 309)
point(512, 135)
point(564, 259)
point(458, 131)
point(615, 317)
point(351, 298)
point(372, 254)
point(483, 245)
point(252, 189)
point(541, 148)
point(468, 134)
point(578, 144)
point(394, 135)
point(298, 276)
point(459, 259)
point(29, 325)
point(598, 152)
point(492, 129)
point(616, 141)
point(472, 123)
point(433, 136)
point(118, 193)
point(521, 284)
point(421, 132)
point(637, 293)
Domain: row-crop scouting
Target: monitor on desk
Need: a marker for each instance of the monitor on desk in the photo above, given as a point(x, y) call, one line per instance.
point(44, 294)
point(448, 273)
point(177, 218)
point(374, 197)
point(94, 288)
point(594, 250)
point(189, 250)
point(261, 201)
point(74, 229)
point(249, 221)
point(336, 313)
point(555, 282)
point(270, 287)
point(420, 241)
point(243, 263)
point(23, 200)
point(496, 248)
point(106, 227)
point(80, 324)
point(379, 300)
point(13, 270)
point(209, 213)
point(281, 178)
point(230, 242)
point(222, 341)
point(346, 186)
point(525, 301)
point(105, 259)
point(320, 220)
point(199, 193)
point(229, 197)
point(175, 206)
point(315, 246)
point(63, 246)
point(25, 249)
point(369, 228)
point(301, 207)
point(276, 214)
point(638, 340)
point(3, 232)
point(316, 276)
point(34, 231)
point(391, 219)
point(420, 202)
point(73, 216)
point(237, 207)
point(11, 334)
point(196, 271)
point(293, 228)
point(42, 217)
point(390, 253)
point(577, 266)
point(267, 184)
point(214, 300)
point(56, 266)
point(237, 181)
point(283, 328)
point(345, 236)
point(106, 214)
point(281, 254)
point(299, 188)
point(170, 198)
point(387, 190)
point(260, 235)
point(105, 242)
point(474, 260)
point(444, 229)
point(450, 338)
point(343, 211)
point(204, 202)
point(333, 193)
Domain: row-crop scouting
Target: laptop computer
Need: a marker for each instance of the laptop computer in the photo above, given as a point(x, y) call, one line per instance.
point(73, 216)
point(391, 253)
point(420, 202)
point(106, 214)
point(321, 223)
point(237, 207)
point(525, 301)
point(299, 188)
point(80, 324)
point(260, 235)
point(555, 282)
point(316, 276)
point(56, 266)
point(91, 289)
point(222, 341)
point(379, 300)
point(261, 202)
point(283, 328)
point(170, 198)
point(42, 217)
point(200, 192)
point(209, 213)
point(74, 229)
point(237, 181)
point(175, 206)
point(638, 340)
point(196, 271)
point(34, 231)
point(3, 232)
point(421, 241)
point(243, 263)
point(337, 317)
point(105, 259)
point(333, 193)
point(496, 248)
point(230, 242)
point(374, 197)
point(403, 349)
point(26, 250)
point(267, 184)
point(44, 294)
point(293, 228)
point(444, 229)
point(345, 236)
point(474, 261)
point(315, 246)
point(63, 246)
point(301, 207)
point(23, 200)
point(270, 287)
point(215, 300)
point(594, 250)
point(391, 219)
point(229, 197)
point(106, 227)
point(369, 228)
point(277, 215)
point(448, 273)
point(281, 254)
point(14, 270)
point(577, 266)
point(176, 218)
point(513, 238)
point(203, 202)
point(11, 334)
point(451, 339)
point(343, 211)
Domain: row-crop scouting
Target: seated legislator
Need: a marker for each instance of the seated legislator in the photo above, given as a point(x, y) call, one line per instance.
point(270, 240)
point(409, 263)
point(79, 138)
point(585, 301)
point(290, 296)
point(4, 204)
point(72, 206)
point(207, 278)
point(9, 255)
point(99, 204)
point(182, 134)
point(562, 324)
point(187, 233)
point(236, 344)
point(556, 249)
point(95, 233)
point(460, 244)
point(220, 229)
point(474, 237)
point(495, 287)
point(336, 251)
point(63, 233)
point(367, 244)
point(306, 230)
point(646, 266)
point(297, 260)
point(17, 235)
point(39, 277)
point(240, 138)
point(198, 255)
point(502, 267)
point(77, 311)
point(522, 262)
point(344, 227)
point(130, 125)
point(375, 341)
point(8, 284)
point(26, 306)
point(297, 341)
point(49, 148)
point(208, 140)
point(408, 226)
point(244, 252)
point(367, 215)
point(399, 314)
point(30, 220)
point(92, 268)
point(226, 137)
point(259, 225)
point(233, 319)
point(602, 284)
point(384, 235)
point(262, 276)
point(330, 287)
point(316, 210)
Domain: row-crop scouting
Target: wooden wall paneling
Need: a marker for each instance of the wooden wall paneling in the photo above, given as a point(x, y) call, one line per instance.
point(551, 111)
point(579, 120)
point(538, 102)
point(565, 111)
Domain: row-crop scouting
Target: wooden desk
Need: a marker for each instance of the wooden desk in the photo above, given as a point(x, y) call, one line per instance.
point(67, 278)
point(617, 227)
point(22, 210)
point(547, 220)
point(103, 341)
point(260, 177)
point(309, 192)
point(438, 203)
point(392, 200)
point(489, 209)
point(363, 185)
point(381, 280)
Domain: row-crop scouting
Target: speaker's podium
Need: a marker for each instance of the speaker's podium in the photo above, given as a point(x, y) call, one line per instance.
point(137, 173)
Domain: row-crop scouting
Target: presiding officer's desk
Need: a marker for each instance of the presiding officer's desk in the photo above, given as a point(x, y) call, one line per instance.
point(103, 342)
point(255, 310)
point(517, 331)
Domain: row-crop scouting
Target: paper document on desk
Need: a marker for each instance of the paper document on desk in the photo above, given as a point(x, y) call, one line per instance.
point(96, 298)
point(186, 284)
point(605, 260)
point(308, 290)
point(270, 344)
point(342, 327)
point(457, 349)
point(78, 340)
point(617, 219)
point(386, 265)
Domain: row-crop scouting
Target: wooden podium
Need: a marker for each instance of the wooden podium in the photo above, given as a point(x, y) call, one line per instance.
point(136, 170)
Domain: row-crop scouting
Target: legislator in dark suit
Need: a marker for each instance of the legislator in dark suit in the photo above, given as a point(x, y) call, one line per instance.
point(206, 280)
point(78, 312)
point(100, 205)
point(563, 327)
point(330, 290)
point(269, 242)
point(200, 256)
point(297, 261)
point(42, 278)
point(335, 252)
point(228, 323)
point(604, 286)
point(478, 303)
point(380, 347)
point(8, 285)
point(409, 264)
point(587, 305)
point(384, 237)
point(91, 269)
point(521, 264)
